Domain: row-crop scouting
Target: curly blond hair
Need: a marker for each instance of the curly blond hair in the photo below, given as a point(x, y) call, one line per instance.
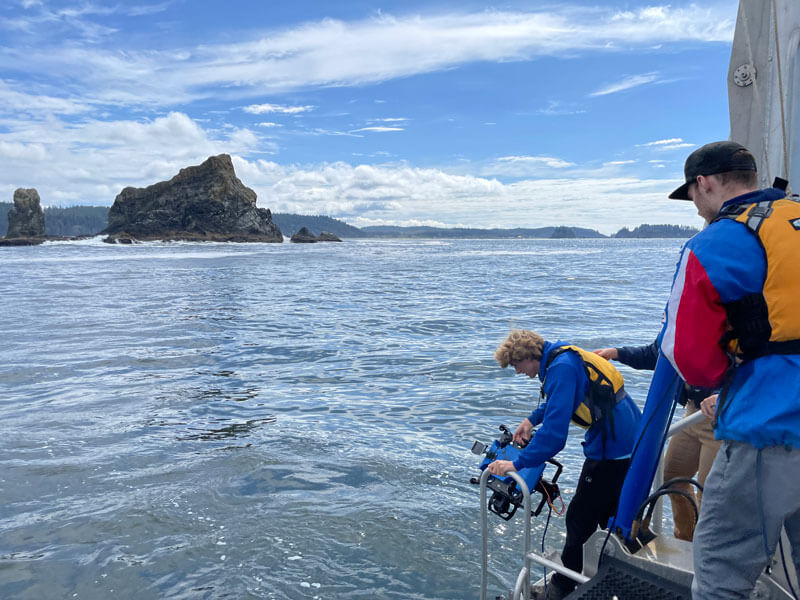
point(519, 345)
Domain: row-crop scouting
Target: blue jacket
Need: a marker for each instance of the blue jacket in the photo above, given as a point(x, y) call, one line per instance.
point(565, 388)
point(719, 265)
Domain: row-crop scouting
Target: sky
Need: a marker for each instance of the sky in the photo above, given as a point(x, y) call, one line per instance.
point(436, 112)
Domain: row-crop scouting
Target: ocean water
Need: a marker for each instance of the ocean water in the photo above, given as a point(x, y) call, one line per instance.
point(283, 421)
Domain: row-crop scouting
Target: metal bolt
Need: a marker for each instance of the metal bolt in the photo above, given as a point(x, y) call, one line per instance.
point(744, 75)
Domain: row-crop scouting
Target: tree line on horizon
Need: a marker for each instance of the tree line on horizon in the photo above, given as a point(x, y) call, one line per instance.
point(89, 220)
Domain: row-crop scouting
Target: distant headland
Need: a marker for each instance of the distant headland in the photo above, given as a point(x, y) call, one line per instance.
point(208, 202)
point(90, 220)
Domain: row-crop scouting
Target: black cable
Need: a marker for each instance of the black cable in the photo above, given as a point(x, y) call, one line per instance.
point(652, 499)
point(546, 524)
point(603, 547)
point(544, 533)
point(675, 480)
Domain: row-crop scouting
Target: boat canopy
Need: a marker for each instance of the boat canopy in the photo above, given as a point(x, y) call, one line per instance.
point(764, 87)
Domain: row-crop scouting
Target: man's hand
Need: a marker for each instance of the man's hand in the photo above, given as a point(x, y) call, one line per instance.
point(501, 467)
point(709, 406)
point(607, 353)
point(522, 434)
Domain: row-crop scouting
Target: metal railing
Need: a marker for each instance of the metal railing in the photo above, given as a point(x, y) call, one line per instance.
point(522, 587)
point(526, 542)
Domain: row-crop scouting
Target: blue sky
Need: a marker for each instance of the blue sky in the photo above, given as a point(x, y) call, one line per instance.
point(482, 114)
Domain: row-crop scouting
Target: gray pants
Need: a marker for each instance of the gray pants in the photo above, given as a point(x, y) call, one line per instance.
point(749, 495)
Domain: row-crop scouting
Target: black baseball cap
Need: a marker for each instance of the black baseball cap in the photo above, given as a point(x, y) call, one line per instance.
point(711, 159)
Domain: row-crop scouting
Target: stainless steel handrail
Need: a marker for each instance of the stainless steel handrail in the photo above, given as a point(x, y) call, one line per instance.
point(685, 422)
point(526, 548)
point(522, 587)
point(558, 568)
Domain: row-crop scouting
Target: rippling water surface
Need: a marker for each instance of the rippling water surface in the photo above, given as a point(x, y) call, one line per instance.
point(280, 420)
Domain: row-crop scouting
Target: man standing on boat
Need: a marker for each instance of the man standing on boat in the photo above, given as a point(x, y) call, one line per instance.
point(733, 320)
point(581, 387)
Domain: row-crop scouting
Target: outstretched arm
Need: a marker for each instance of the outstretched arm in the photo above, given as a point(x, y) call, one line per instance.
point(607, 353)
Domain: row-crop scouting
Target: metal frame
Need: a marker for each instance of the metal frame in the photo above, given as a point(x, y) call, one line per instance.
point(522, 587)
point(663, 558)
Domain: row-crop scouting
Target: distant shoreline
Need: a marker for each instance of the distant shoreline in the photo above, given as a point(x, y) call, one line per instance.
point(89, 220)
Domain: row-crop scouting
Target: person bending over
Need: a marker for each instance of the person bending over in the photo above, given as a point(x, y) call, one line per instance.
point(602, 408)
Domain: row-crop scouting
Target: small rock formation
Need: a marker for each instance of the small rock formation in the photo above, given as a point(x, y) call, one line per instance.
point(26, 217)
point(327, 236)
point(304, 236)
point(204, 203)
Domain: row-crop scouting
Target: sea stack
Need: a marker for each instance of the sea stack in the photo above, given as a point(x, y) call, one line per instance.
point(26, 217)
point(201, 203)
point(305, 236)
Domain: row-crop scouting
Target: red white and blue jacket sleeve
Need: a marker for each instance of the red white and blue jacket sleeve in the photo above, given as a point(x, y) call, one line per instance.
point(710, 274)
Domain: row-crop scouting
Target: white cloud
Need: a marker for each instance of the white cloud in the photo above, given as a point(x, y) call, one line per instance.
point(366, 195)
point(339, 53)
point(676, 146)
point(667, 144)
point(148, 9)
point(14, 101)
point(380, 129)
point(377, 192)
point(260, 109)
point(269, 124)
point(626, 84)
point(557, 108)
point(619, 162)
point(548, 161)
point(320, 131)
point(22, 151)
point(55, 158)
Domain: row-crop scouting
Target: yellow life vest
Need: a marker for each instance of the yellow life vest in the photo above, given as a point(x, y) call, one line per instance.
point(769, 322)
point(605, 390)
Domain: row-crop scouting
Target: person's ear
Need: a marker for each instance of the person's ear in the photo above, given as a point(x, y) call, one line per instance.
point(705, 183)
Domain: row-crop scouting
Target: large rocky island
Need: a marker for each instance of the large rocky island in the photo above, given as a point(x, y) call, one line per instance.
point(202, 203)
